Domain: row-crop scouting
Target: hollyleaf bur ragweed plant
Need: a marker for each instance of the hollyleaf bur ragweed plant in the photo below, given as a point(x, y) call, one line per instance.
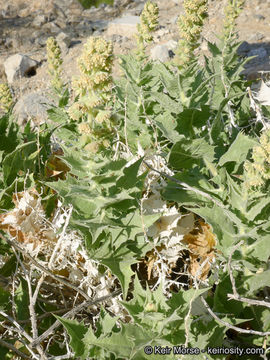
point(160, 240)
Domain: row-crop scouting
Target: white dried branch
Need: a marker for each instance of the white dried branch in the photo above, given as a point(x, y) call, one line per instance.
point(61, 237)
point(14, 349)
point(43, 269)
point(73, 312)
point(31, 306)
point(254, 106)
point(230, 326)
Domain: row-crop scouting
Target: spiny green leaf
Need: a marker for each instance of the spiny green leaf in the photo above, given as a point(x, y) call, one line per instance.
point(21, 300)
point(260, 249)
point(58, 115)
point(18, 160)
point(187, 153)
point(129, 179)
point(76, 332)
point(238, 150)
point(258, 281)
point(118, 343)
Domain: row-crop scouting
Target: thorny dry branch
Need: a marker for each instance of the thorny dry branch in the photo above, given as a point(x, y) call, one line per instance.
point(32, 303)
point(35, 341)
point(14, 349)
point(73, 312)
point(42, 268)
point(230, 326)
point(235, 295)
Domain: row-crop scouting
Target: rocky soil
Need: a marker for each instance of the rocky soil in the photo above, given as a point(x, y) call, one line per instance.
point(26, 25)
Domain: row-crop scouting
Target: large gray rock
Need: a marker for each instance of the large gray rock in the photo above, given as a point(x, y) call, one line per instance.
point(160, 52)
point(18, 65)
point(163, 52)
point(244, 48)
point(32, 106)
point(260, 53)
point(64, 41)
point(126, 25)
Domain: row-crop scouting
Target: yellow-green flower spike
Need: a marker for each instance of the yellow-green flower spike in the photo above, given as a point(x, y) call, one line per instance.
point(190, 27)
point(148, 24)
point(232, 12)
point(55, 64)
point(258, 171)
point(6, 100)
point(94, 85)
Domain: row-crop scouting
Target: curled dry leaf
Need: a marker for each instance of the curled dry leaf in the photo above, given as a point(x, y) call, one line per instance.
point(27, 224)
point(201, 242)
point(27, 221)
point(55, 167)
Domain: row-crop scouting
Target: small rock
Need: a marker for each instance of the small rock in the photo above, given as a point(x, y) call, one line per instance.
point(41, 40)
point(259, 17)
point(52, 27)
point(89, 12)
point(126, 25)
point(160, 52)
point(116, 38)
point(11, 42)
point(39, 21)
point(6, 11)
point(64, 41)
point(171, 44)
point(256, 37)
point(33, 107)
point(159, 34)
point(61, 23)
point(135, 11)
point(19, 65)
point(99, 25)
point(84, 28)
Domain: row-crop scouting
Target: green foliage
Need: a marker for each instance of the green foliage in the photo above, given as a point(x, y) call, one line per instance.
point(88, 3)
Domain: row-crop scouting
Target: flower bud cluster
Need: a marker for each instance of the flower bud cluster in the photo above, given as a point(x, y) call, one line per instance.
point(258, 171)
point(6, 100)
point(190, 27)
point(55, 64)
point(148, 24)
point(232, 12)
point(93, 87)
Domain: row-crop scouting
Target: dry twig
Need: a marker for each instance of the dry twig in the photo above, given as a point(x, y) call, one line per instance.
point(235, 295)
point(73, 312)
point(43, 269)
point(230, 326)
